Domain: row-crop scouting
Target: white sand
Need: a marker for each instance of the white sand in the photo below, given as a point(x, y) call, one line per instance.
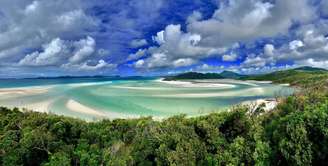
point(139, 88)
point(246, 92)
point(23, 91)
point(78, 107)
point(260, 82)
point(198, 84)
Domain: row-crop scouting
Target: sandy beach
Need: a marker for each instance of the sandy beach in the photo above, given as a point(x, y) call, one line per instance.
point(78, 107)
point(75, 106)
point(199, 84)
point(23, 91)
point(244, 93)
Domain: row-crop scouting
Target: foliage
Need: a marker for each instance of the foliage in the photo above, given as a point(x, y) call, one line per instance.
point(304, 77)
point(194, 75)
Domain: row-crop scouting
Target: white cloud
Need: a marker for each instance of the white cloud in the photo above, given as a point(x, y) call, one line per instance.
point(309, 49)
point(237, 21)
point(72, 55)
point(138, 43)
point(53, 54)
point(27, 25)
point(269, 50)
point(229, 57)
point(254, 61)
point(245, 21)
point(84, 49)
point(101, 64)
point(31, 7)
point(177, 48)
point(312, 62)
point(139, 63)
point(183, 62)
point(295, 44)
point(139, 54)
point(210, 68)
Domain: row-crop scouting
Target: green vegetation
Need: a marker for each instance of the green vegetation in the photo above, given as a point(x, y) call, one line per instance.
point(194, 75)
point(304, 76)
point(231, 75)
point(295, 133)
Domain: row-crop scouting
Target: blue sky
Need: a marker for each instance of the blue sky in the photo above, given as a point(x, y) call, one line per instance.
point(159, 37)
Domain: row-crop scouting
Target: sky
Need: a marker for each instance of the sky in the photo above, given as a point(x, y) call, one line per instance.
point(160, 37)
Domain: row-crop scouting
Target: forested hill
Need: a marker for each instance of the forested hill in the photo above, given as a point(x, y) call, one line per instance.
point(294, 133)
point(303, 76)
point(195, 75)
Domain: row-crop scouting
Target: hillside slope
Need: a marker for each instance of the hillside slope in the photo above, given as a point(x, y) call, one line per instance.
point(194, 75)
point(304, 76)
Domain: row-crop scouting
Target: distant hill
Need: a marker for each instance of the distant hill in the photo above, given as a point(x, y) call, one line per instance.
point(310, 69)
point(232, 75)
point(302, 75)
point(194, 75)
point(299, 76)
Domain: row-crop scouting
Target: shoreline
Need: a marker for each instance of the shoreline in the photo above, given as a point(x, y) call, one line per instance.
point(90, 113)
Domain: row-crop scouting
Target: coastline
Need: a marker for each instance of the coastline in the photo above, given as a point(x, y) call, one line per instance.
point(75, 106)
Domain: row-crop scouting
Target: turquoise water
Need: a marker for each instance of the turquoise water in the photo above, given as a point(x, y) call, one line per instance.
point(109, 98)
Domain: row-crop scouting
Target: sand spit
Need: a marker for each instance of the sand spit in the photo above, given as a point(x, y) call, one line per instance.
point(246, 92)
point(75, 106)
point(199, 84)
point(80, 108)
point(24, 91)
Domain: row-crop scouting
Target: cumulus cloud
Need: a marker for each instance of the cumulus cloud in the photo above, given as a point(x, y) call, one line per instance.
point(237, 21)
point(84, 48)
point(138, 43)
point(85, 66)
point(139, 63)
point(139, 54)
point(254, 61)
point(295, 44)
point(269, 50)
point(71, 34)
point(177, 48)
point(183, 62)
point(59, 51)
point(310, 48)
point(66, 54)
point(229, 57)
point(29, 25)
point(245, 21)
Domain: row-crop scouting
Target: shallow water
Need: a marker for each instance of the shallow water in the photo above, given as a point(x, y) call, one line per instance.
point(133, 98)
